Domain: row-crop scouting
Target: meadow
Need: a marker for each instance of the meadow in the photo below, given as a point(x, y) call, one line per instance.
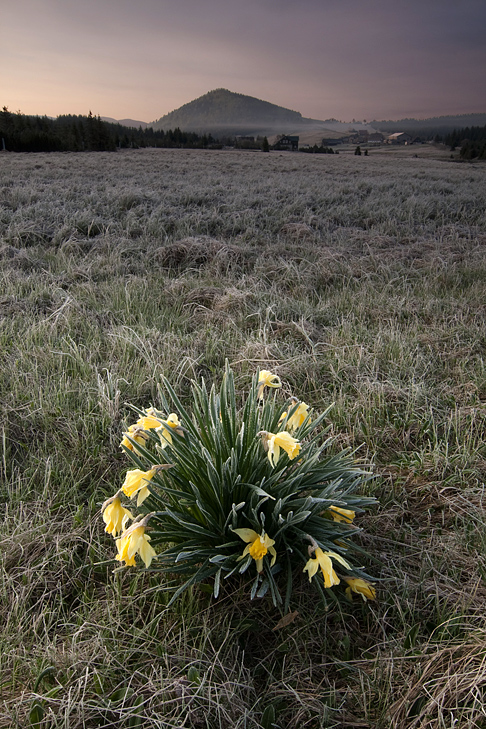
point(360, 281)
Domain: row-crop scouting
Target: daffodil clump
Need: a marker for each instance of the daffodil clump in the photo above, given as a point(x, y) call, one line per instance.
point(255, 490)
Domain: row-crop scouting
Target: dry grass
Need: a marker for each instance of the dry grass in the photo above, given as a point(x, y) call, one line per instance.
point(446, 687)
point(361, 281)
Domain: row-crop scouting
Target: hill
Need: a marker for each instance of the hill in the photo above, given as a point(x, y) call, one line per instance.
point(132, 123)
point(226, 113)
point(222, 112)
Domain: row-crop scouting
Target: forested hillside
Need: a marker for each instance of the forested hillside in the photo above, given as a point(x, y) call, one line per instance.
point(471, 140)
point(438, 126)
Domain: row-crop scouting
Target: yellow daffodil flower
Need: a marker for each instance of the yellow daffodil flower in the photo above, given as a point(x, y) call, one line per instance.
point(136, 433)
point(134, 541)
point(267, 379)
point(324, 561)
point(360, 587)
point(115, 515)
point(257, 547)
point(338, 514)
point(148, 421)
point(136, 481)
point(298, 416)
point(273, 442)
point(164, 433)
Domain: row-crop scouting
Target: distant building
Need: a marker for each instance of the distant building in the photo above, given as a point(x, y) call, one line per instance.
point(376, 138)
point(331, 141)
point(289, 142)
point(399, 138)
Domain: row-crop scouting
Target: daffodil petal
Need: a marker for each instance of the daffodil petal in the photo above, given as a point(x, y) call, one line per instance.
point(339, 559)
point(142, 495)
point(311, 567)
point(248, 535)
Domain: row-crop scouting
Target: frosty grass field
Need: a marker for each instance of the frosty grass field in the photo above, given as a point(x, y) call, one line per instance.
point(359, 281)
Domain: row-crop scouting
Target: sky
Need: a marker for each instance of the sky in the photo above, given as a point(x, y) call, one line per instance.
point(343, 59)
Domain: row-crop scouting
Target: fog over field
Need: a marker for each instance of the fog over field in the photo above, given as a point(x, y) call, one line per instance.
point(360, 282)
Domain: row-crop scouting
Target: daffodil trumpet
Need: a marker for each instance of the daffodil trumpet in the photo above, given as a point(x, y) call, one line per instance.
point(296, 416)
point(257, 546)
point(324, 561)
point(115, 515)
point(134, 541)
point(273, 442)
point(136, 481)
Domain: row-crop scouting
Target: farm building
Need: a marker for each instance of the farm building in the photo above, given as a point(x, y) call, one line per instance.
point(399, 138)
point(376, 138)
point(331, 141)
point(290, 142)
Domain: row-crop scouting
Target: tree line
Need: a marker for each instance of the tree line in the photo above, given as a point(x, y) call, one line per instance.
point(318, 150)
point(76, 133)
point(430, 129)
point(471, 140)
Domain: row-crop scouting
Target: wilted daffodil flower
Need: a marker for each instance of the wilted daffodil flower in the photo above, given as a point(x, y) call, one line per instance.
point(257, 547)
point(338, 514)
point(136, 433)
point(134, 541)
point(324, 561)
point(273, 442)
point(115, 515)
point(360, 587)
point(164, 431)
point(267, 379)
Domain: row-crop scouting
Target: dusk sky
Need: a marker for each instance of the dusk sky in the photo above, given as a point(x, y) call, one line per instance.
point(362, 59)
